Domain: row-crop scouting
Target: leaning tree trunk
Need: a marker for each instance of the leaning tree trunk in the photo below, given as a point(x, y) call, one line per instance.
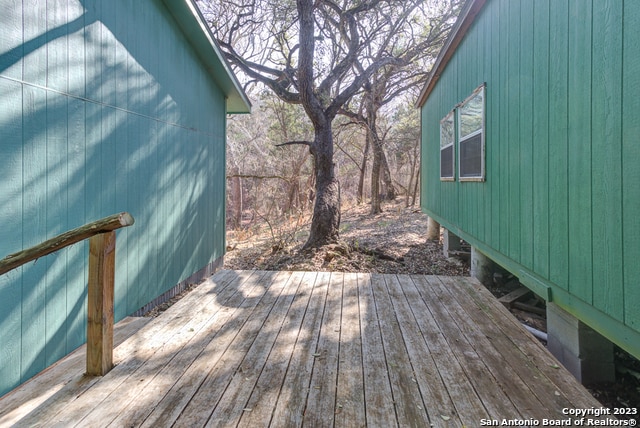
point(325, 223)
point(236, 197)
point(412, 171)
point(415, 188)
point(363, 171)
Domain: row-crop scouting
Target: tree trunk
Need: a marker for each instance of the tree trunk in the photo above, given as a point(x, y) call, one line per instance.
point(376, 148)
point(363, 171)
point(412, 171)
point(390, 191)
point(380, 172)
point(310, 194)
point(292, 195)
point(236, 198)
point(375, 179)
point(379, 165)
point(325, 223)
point(415, 187)
point(294, 200)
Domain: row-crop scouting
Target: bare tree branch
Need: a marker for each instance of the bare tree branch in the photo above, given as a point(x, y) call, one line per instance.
point(258, 177)
point(293, 143)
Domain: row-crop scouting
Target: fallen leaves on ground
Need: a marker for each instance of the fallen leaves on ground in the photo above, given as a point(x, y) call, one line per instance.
point(393, 241)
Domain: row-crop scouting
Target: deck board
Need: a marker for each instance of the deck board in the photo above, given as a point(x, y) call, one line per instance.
point(289, 349)
point(463, 370)
point(244, 381)
point(511, 369)
point(290, 407)
point(379, 402)
point(350, 393)
point(212, 390)
point(321, 396)
point(264, 397)
point(435, 394)
point(404, 388)
point(491, 368)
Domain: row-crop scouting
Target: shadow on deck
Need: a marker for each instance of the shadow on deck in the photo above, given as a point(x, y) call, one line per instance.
point(316, 349)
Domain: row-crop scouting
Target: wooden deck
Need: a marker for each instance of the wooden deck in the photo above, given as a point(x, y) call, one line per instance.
point(312, 349)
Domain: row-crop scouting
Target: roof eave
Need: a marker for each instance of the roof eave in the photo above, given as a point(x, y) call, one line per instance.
point(195, 28)
point(468, 14)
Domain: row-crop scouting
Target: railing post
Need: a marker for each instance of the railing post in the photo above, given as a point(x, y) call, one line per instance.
point(102, 253)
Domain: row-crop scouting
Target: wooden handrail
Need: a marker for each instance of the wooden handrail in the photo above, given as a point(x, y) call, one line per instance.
point(102, 256)
point(106, 224)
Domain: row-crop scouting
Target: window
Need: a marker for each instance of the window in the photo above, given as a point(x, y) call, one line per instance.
point(471, 137)
point(447, 155)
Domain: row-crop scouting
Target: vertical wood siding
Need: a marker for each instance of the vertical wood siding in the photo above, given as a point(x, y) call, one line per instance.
point(630, 170)
point(561, 199)
point(104, 107)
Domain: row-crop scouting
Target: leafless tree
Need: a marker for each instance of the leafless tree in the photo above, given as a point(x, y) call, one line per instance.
point(415, 39)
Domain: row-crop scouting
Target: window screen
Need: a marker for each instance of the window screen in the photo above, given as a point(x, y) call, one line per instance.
point(471, 136)
point(471, 157)
point(447, 144)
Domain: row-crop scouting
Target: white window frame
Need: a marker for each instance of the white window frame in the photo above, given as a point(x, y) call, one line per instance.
point(449, 117)
point(463, 138)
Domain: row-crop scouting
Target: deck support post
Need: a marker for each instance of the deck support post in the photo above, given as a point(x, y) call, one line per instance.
point(102, 254)
point(450, 242)
point(482, 267)
point(584, 352)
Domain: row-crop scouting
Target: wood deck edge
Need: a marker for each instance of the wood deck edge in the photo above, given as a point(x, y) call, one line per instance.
point(194, 278)
point(20, 401)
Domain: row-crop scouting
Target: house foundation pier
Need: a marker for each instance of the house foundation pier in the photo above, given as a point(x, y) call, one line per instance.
point(583, 351)
point(450, 242)
point(482, 267)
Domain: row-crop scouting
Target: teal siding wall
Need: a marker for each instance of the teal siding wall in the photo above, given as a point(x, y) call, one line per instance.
point(104, 107)
point(560, 204)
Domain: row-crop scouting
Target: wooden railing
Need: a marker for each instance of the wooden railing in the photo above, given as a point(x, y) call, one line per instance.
point(102, 253)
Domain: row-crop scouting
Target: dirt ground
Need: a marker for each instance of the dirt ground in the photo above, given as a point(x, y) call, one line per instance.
point(390, 242)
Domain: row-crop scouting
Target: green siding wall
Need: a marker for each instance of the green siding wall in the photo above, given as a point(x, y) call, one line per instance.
point(104, 108)
point(561, 199)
